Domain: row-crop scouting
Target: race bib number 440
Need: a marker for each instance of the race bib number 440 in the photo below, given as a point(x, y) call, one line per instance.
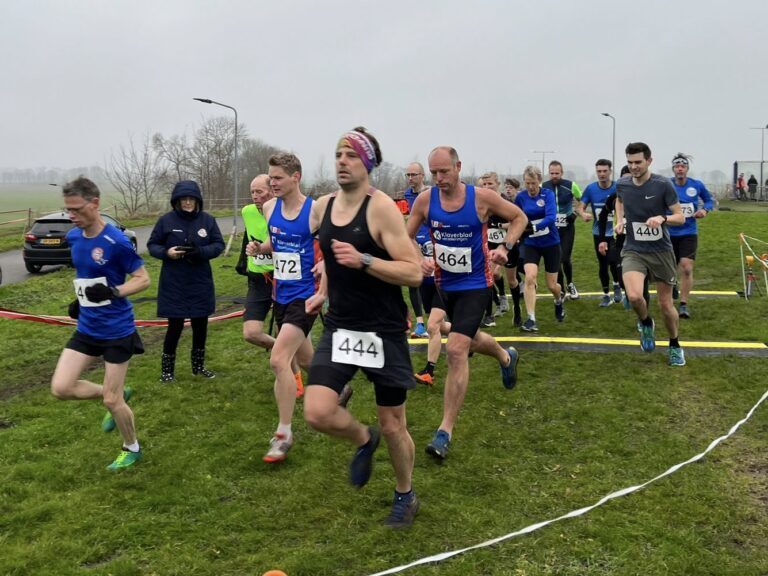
point(287, 265)
point(644, 233)
point(454, 259)
point(363, 349)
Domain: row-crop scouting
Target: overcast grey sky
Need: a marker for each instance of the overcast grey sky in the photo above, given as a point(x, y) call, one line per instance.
point(494, 79)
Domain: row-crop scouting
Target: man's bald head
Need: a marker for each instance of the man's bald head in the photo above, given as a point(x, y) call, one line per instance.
point(260, 190)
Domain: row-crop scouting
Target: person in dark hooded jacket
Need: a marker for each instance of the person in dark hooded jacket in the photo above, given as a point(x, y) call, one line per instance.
point(185, 239)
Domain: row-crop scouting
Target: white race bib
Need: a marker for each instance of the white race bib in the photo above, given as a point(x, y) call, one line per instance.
point(81, 284)
point(496, 235)
point(543, 232)
point(454, 259)
point(644, 233)
point(287, 265)
point(688, 209)
point(599, 211)
point(363, 349)
point(561, 220)
point(262, 260)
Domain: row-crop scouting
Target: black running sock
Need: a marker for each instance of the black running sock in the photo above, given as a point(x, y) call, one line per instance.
point(674, 343)
point(648, 321)
point(404, 495)
point(516, 295)
point(430, 368)
point(683, 302)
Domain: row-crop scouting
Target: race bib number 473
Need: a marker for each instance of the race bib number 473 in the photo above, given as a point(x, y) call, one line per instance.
point(644, 233)
point(363, 349)
point(454, 259)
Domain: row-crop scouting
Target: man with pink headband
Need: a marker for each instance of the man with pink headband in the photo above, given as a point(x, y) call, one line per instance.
point(368, 258)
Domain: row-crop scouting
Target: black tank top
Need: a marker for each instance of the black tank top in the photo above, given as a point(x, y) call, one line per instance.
point(358, 300)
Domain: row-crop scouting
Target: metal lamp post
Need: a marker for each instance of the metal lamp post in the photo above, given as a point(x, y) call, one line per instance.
point(235, 172)
point(543, 157)
point(613, 145)
point(761, 184)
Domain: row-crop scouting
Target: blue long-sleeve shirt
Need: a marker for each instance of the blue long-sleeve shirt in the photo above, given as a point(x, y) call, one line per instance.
point(691, 195)
point(541, 210)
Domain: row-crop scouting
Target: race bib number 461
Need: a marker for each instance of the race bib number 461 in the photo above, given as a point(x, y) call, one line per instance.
point(363, 349)
point(454, 259)
point(644, 233)
point(287, 265)
point(496, 235)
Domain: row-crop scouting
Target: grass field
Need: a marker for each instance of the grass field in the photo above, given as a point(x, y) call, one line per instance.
point(578, 426)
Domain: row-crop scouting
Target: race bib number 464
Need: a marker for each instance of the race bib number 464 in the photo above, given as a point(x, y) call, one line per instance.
point(644, 233)
point(287, 265)
point(454, 259)
point(363, 349)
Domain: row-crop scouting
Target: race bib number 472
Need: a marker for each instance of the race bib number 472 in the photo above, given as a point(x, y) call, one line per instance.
point(287, 265)
point(454, 259)
point(644, 233)
point(363, 349)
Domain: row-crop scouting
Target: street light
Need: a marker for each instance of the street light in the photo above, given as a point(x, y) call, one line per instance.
point(236, 171)
point(762, 158)
point(543, 157)
point(613, 145)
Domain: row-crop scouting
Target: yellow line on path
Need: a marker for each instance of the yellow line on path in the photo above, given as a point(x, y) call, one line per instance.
point(616, 342)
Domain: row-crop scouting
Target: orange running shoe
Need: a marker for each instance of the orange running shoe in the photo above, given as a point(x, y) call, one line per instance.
point(424, 377)
point(299, 384)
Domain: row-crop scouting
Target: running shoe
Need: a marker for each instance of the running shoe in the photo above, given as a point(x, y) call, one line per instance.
point(420, 331)
point(299, 384)
point(639, 326)
point(530, 326)
point(488, 322)
point(361, 466)
point(559, 311)
point(278, 448)
point(647, 337)
point(438, 446)
point(509, 373)
point(424, 377)
point(676, 356)
point(605, 301)
point(108, 422)
point(684, 312)
point(125, 459)
point(403, 511)
point(503, 304)
point(617, 296)
point(675, 292)
point(626, 303)
point(573, 294)
point(346, 394)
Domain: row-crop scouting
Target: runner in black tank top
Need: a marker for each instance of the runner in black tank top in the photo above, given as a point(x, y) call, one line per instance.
point(368, 258)
point(357, 300)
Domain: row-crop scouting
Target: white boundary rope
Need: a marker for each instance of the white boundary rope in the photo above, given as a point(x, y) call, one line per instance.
point(580, 511)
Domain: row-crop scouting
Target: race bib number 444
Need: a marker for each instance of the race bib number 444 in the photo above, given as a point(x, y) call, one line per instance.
point(454, 259)
point(363, 349)
point(287, 265)
point(644, 233)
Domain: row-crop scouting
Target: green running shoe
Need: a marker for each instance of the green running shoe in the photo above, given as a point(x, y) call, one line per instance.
point(125, 459)
point(108, 423)
point(676, 356)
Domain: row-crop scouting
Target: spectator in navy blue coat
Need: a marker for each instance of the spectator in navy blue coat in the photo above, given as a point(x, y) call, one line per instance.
point(186, 239)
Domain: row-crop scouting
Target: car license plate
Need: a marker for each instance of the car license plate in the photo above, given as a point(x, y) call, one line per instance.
point(51, 241)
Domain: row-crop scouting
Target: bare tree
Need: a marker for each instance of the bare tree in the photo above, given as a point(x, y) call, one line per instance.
point(176, 152)
point(138, 174)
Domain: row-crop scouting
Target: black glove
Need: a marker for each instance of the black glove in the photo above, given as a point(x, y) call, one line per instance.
point(101, 292)
point(192, 253)
point(74, 309)
point(528, 229)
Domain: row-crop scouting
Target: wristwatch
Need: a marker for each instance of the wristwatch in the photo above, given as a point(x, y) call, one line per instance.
point(366, 260)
